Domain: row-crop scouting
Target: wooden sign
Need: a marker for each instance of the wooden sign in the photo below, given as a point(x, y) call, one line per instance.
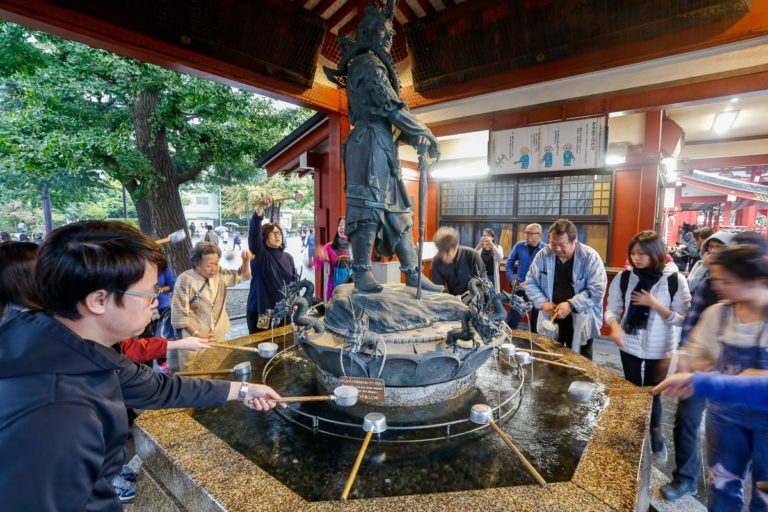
point(371, 390)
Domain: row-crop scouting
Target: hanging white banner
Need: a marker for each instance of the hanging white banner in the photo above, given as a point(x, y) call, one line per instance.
point(565, 146)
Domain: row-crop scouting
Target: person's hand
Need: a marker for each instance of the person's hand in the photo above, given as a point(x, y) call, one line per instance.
point(617, 334)
point(427, 145)
point(320, 254)
point(644, 298)
point(548, 308)
point(563, 309)
point(203, 334)
point(263, 203)
point(189, 343)
point(247, 256)
point(261, 397)
point(679, 385)
point(521, 285)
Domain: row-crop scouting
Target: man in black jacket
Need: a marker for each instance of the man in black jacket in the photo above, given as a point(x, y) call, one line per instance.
point(63, 421)
point(453, 265)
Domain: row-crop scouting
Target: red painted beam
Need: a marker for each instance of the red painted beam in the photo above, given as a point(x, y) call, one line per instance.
point(725, 162)
point(428, 8)
point(323, 6)
point(339, 15)
point(688, 180)
point(406, 11)
point(726, 140)
point(301, 146)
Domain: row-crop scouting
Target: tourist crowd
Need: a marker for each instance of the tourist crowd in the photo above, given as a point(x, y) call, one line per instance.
point(92, 287)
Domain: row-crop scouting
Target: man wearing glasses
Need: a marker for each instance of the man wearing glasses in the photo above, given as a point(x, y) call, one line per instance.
point(522, 254)
point(567, 283)
point(63, 421)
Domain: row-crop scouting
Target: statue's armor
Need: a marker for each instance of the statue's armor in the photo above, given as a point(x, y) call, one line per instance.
point(374, 192)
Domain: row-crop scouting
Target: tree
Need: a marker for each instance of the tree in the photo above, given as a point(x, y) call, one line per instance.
point(87, 115)
point(239, 201)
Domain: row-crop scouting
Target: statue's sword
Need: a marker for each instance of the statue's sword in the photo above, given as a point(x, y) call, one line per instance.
point(422, 215)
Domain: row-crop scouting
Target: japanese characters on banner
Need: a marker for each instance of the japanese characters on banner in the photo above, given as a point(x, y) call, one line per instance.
point(562, 146)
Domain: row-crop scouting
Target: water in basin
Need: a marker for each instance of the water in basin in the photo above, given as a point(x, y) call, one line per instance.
point(548, 427)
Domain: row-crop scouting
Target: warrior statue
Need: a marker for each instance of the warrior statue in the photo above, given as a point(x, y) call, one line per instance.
point(378, 208)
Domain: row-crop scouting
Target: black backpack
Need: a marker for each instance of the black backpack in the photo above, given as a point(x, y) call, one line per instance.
point(672, 284)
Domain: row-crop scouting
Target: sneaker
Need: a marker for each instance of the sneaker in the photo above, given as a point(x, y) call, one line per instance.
point(125, 485)
point(674, 490)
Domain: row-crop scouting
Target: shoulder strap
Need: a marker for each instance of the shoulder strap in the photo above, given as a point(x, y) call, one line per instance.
point(624, 283)
point(672, 285)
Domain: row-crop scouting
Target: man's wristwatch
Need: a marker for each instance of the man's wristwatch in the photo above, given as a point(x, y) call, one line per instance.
point(243, 391)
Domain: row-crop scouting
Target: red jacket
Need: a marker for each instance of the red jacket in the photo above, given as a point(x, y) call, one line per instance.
point(143, 350)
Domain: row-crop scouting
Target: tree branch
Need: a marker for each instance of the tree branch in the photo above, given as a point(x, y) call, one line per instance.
point(205, 159)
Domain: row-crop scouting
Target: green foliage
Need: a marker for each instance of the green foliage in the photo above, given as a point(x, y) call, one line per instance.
point(70, 118)
point(239, 201)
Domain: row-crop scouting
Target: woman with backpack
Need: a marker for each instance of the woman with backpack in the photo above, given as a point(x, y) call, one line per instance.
point(645, 306)
point(337, 255)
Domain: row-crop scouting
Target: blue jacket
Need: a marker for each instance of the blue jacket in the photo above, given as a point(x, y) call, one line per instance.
point(63, 421)
point(749, 390)
point(165, 278)
point(589, 283)
point(520, 254)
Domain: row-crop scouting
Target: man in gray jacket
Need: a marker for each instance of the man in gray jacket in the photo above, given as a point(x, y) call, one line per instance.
point(566, 283)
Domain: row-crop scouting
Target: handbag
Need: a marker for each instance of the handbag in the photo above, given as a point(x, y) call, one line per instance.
point(165, 329)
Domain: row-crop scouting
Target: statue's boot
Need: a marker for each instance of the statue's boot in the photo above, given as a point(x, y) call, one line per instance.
point(362, 245)
point(406, 253)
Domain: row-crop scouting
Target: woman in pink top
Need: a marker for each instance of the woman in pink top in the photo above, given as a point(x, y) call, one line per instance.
point(334, 253)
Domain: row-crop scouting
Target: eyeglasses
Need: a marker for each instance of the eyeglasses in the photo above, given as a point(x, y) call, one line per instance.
point(277, 232)
point(531, 233)
point(152, 296)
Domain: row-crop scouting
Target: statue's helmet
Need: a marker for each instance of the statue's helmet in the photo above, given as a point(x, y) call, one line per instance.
point(376, 24)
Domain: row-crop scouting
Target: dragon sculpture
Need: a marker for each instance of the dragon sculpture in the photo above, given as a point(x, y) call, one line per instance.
point(296, 305)
point(485, 312)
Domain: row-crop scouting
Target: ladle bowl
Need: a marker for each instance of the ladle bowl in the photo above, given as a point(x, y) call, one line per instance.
point(345, 396)
point(481, 414)
point(242, 369)
point(581, 390)
point(523, 357)
point(267, 349)
point(375, 422)
point(175, 237)
point(508, 349)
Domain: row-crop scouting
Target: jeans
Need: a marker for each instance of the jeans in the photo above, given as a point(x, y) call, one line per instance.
point(686, 437)
point(655, 372)
point(731, 448)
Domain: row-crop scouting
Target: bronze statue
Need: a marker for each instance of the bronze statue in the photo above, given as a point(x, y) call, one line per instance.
point(378, 208)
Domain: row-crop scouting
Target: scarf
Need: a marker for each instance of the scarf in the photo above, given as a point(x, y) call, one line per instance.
point(636, 318)
point(343, 244)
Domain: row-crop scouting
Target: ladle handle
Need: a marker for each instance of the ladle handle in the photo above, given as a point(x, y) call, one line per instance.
point(555, 363)
point(540, 352)
point(203, 372)
point(292, 399)
point(535, 474)
point(356, 466)
point(163, 240)
point(233, 347)
point(640, 390)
